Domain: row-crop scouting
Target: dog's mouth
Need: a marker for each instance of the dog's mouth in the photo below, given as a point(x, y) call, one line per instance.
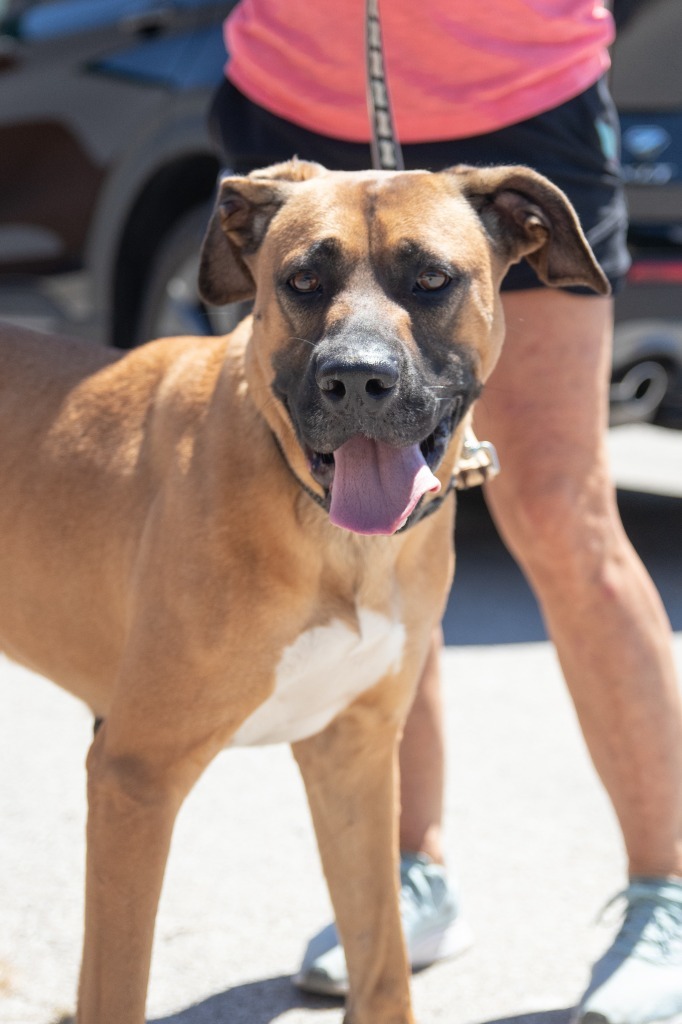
point(375, 487)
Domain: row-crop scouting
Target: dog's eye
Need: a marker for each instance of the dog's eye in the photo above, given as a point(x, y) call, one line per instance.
point(305, 282)
point(432, 280)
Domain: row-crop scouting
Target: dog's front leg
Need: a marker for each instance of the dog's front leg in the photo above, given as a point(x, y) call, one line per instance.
point(131, 812)
point(350, 773)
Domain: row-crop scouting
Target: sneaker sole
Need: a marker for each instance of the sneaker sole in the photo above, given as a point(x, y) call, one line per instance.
point(320, 985)
point(428, 950)
point(441, 944)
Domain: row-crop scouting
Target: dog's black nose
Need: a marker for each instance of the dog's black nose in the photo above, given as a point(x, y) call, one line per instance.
point(342, 381)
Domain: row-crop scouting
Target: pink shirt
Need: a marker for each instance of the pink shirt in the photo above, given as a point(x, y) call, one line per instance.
point(454, 67)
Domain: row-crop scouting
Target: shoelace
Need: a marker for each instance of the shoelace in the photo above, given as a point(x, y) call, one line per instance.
point(417, 892)
point(652, 926)
point(413, 887)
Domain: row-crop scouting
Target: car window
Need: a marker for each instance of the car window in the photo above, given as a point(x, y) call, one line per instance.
point(42, 20)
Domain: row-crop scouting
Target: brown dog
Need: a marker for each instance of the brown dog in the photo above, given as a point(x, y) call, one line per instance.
point(219, 541)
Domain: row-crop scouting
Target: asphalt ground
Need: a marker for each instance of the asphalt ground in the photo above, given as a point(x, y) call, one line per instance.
point(530, 834)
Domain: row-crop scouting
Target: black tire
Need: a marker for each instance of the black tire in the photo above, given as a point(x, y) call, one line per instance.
point(171, 304)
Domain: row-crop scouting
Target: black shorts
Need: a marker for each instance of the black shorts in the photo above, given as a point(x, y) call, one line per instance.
point(575, 145)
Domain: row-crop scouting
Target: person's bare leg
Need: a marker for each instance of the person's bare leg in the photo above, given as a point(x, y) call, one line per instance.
point(545, 408)
point(422, 763)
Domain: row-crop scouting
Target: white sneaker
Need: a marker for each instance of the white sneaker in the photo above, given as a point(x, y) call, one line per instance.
point(639, 978)
point(434, 929)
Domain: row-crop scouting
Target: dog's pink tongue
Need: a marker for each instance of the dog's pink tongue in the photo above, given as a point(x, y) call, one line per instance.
point(376, 486)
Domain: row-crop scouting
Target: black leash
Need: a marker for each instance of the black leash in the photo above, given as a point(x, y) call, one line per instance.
point(386, 152)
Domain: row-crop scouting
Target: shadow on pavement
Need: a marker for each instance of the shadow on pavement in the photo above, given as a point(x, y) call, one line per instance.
point(491, 603)
point(542, 1017)
point(256, 1002)
point(260, 1002)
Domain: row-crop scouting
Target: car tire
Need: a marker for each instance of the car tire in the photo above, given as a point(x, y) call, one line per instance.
point(171, 304)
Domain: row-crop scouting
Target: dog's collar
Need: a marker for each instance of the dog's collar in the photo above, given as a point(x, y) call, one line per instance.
point(422, 511)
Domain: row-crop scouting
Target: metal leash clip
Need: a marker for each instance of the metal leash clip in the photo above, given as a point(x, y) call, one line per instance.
point(477, 464)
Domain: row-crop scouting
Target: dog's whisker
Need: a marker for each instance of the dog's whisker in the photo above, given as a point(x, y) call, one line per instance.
point(305, 341)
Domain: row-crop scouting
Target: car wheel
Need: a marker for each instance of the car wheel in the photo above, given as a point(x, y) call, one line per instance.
point(171, 303)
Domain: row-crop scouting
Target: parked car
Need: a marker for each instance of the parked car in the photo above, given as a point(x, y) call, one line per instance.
point(106, 169)
point(107, 176)
point(646, 80)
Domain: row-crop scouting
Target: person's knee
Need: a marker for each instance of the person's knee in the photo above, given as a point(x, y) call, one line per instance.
point(559, 531)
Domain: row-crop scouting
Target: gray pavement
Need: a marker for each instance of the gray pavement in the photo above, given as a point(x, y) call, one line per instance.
point(529, 829)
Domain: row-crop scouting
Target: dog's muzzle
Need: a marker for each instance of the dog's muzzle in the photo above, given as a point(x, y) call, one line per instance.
point(374, 483)
point(373, 431)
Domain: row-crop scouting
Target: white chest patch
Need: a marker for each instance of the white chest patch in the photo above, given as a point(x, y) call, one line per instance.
point(320, 674)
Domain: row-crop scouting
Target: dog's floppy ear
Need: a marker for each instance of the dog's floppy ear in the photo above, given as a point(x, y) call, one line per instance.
point(242, 212)
point(244, 207)
point(530, 217)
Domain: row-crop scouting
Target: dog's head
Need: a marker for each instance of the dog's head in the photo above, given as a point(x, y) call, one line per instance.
point(377, 316)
